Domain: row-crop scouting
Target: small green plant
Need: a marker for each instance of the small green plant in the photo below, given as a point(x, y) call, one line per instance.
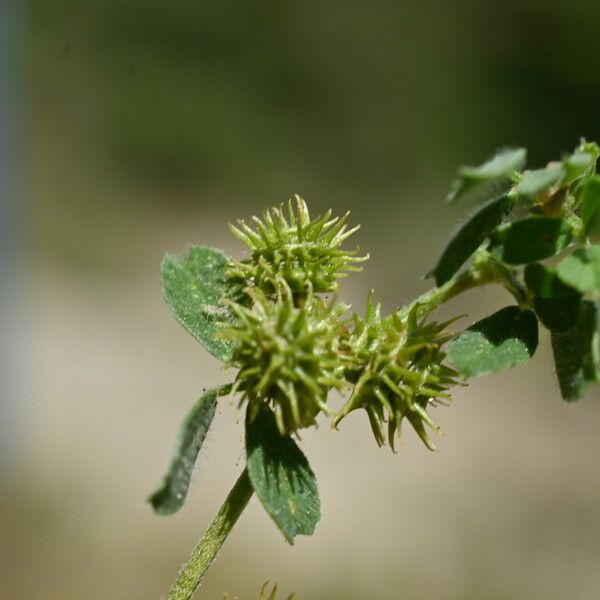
point(268, 317)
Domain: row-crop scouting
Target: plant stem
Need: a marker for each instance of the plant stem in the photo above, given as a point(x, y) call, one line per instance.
point(484, 271)
point(192, 573)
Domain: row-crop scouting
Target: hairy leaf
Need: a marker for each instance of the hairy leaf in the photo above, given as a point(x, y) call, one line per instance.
point(532, 239)
point(581, 165)
point(470, 236)
point(171, 494)
point(503, 340)
point(576, 354)
point(581, 270)
point(590, 206)
point(499, 167)
point(578, 164)
point(194, 286)
point(281, 477)
point(556, 304)
point(534, 183)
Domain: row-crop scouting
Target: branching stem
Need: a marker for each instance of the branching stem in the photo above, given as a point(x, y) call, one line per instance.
point(483, 272)
point(207, 549)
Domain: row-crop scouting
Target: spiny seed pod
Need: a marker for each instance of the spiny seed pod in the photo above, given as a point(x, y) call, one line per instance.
point(287, 354)
point(302, 251)
point(398, 371)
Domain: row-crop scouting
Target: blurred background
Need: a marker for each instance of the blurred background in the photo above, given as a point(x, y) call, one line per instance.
point(130, 128)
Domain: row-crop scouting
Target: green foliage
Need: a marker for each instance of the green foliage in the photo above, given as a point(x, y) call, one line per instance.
point(194, 286)
point(556, 304)
point(471, 236)
point(534, 183)
point(281, 476)
point(581, 270)
point(543, 282)
point(496, 171)
point(539, 184)
point(171, 494)
point(590, 206)
point(579, 164)
point(532, 239)
point(267, 317)
point(503, 340)
point(576, 354)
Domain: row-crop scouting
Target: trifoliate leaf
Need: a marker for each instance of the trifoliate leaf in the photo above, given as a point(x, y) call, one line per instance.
point(576, 354)
point(581, 270)
point(499, 167)
point(590, 206)
point(534, 183)
point(556, 304)
point(281, 477)
point(503, 340)
point(531, 239)
point(171, 494)
point(194, 286)
point(470, 236)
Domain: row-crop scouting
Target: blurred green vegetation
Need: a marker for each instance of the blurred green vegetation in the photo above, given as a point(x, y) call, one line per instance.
point(237, 96)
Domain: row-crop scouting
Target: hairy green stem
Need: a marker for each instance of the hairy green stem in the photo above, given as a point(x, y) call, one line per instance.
point(207, 549)
point(483, 272)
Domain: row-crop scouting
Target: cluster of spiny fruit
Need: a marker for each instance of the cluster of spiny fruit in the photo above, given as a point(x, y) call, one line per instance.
point(293, 346)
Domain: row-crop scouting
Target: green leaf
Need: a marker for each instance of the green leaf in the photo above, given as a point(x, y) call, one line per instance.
point(556, 304)
point(576, 354)
point(532, 239)
point(541, 281)
point(534, 183)
point(581, 165)
point(499, 167)
point(194, 286)
point(578, 164)
point(470, 236)
point(589, 147)
point(503, 340)
point(581, 270)
point(171, 494)
point(558, 314)
point(281, 477)
point(589, 195)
